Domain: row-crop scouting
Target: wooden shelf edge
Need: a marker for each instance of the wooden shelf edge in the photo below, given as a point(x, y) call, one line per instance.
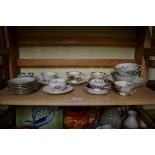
point(90, 41)
point(70, 62)
point(143, 96)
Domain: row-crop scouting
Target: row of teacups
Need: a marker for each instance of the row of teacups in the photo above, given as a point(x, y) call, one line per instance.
point(74, 76)
point(97, 80)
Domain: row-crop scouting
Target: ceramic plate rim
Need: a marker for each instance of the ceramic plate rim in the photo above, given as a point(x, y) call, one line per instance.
point(91, 91)
point(69, 89)
point(12, 81)
point(78, 83)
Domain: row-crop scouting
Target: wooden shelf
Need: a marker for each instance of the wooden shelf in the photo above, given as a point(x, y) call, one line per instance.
point(71, 62)
point(143, 96)
point(74, 41)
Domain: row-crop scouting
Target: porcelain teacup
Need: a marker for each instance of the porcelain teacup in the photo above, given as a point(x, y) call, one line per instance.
point(47, 76)
point(98, 75)
point(127, 69)
point(58, 84)
point(75, 76)
point(124, 88)
point(99, 84)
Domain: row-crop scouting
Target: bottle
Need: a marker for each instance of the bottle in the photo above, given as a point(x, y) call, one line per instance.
point(131, 121)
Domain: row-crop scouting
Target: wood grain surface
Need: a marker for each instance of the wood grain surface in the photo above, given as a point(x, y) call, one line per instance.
point(143, 96)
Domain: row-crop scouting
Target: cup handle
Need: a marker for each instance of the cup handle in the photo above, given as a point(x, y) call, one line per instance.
point(139, 68)
point(107, 85)
point(132, 91)
point(87, 80)
point(83, 75)
point(96, 118)
point(68, 84)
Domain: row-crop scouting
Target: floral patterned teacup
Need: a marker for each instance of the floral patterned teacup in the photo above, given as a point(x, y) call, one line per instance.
point(124, 88)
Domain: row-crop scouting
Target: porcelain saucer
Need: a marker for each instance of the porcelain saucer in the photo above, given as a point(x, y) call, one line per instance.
point(139, 81)
point(40, 80)
point(47, 89)
point(77, 82)
point(90, 90)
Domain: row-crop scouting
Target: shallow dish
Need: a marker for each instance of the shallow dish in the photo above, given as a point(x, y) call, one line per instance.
point(124, 78)
point(47, 89)
point(77, 82)
point(22, 80)
point(90, 90)
point(139, 81)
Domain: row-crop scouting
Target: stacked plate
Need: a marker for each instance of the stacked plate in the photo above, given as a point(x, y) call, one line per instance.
point(23, 85)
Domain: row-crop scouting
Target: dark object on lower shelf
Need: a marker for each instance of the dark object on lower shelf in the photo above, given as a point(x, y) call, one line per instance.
point(8, 118)
point(2, 84)
point(151, 84)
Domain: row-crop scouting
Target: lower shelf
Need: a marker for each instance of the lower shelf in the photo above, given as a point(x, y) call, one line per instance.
point(33, 117)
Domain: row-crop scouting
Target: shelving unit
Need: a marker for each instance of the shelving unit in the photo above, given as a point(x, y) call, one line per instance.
point(11, 38)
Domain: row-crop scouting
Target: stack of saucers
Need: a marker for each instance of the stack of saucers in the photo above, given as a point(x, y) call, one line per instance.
point(23, 85)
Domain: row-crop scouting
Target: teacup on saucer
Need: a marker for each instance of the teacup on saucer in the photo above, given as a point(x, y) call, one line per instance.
point(75, 77)
point(58, 84)
point(98, 84)
point(87, 88)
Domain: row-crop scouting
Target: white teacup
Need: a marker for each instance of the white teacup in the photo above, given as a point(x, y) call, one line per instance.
point(58, 84)
point(124, 88)
point(126, 69)
point(98, 75)
point(48, 76)
point(75, 76)
point(98, 84)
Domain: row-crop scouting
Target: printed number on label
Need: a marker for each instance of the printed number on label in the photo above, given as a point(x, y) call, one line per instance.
point(77, 99)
